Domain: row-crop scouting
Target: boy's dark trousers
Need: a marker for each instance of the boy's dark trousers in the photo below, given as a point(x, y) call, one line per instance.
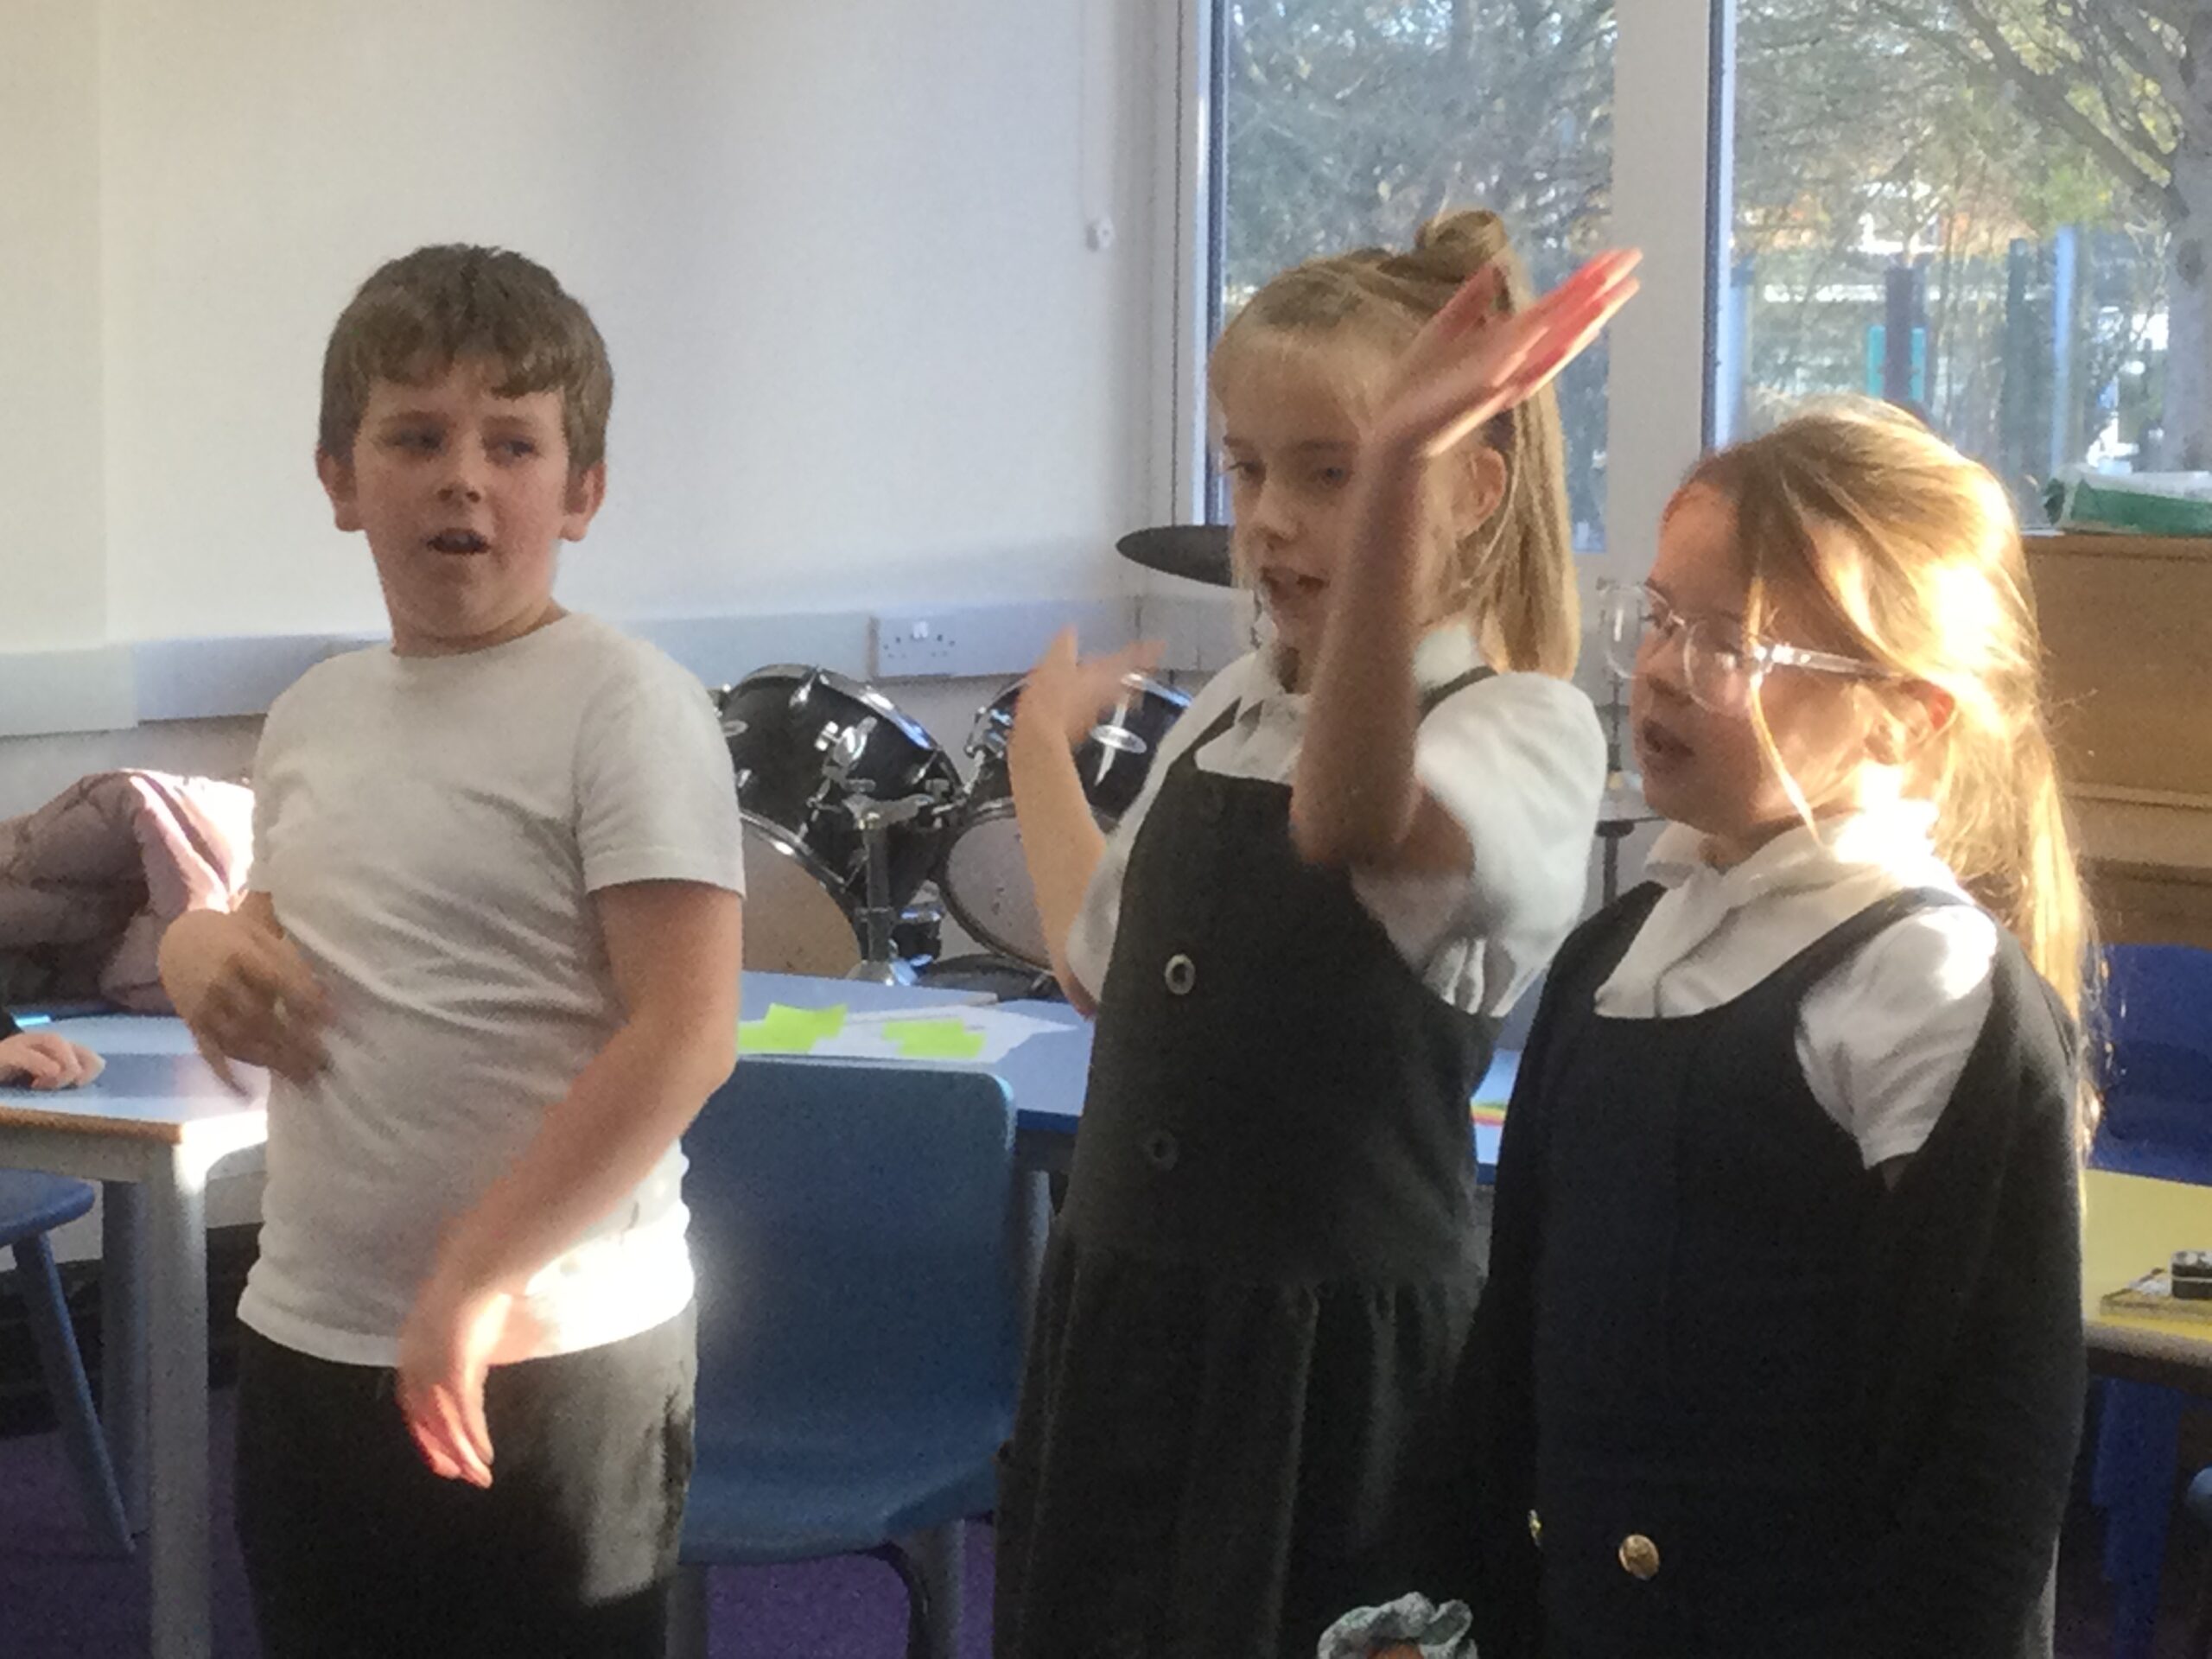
point(355, 1550)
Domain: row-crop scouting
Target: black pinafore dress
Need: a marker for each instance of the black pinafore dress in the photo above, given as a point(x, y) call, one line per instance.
point(1238, 1414)
point(1702, 1448)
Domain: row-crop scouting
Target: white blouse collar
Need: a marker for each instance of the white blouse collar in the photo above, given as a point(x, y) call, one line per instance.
point(1895, 836)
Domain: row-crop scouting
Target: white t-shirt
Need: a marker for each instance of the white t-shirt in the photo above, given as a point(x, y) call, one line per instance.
point(430, 830)
point(1518, 762)
point(1885, 1037)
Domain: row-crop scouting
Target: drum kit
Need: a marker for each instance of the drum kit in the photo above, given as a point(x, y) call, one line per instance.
point(861, 833)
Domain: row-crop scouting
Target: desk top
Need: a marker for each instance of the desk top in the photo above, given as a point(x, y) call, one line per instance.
point(155, 1086)
point(2131, 1224)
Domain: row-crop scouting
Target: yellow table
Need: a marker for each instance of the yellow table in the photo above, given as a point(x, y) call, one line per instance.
point(2129, 1226)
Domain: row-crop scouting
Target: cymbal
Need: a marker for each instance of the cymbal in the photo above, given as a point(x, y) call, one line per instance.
point(1199, 552)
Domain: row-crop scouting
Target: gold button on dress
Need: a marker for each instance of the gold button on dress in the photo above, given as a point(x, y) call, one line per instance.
point(1639, 1556)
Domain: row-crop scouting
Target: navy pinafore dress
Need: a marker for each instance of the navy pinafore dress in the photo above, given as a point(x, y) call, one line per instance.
point(1240, 1413)
point(1698, 1232)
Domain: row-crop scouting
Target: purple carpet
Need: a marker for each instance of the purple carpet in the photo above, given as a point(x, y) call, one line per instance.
point(60, 1599)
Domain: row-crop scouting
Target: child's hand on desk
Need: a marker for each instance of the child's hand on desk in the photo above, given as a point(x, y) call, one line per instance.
point(1065, 695)
point(448, 1345)
point(45, 1061)
point(247, 994)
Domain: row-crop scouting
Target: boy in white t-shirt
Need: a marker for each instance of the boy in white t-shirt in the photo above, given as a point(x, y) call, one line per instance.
point(492, 953)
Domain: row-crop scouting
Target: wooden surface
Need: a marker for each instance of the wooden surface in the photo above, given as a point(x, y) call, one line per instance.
point(2131, 1225)
point(2128, 636)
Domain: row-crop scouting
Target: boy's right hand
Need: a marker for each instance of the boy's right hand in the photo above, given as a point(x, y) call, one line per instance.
point(245, 992)
point(1065, 695)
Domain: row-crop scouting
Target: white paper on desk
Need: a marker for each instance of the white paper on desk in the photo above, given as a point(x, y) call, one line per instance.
point(1002, 1030)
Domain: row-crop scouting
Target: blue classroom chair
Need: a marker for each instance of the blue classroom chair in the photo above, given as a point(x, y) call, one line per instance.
point(2157, 1122)
point(853, 1228)
point(31, 1206)
point(2158, 1086)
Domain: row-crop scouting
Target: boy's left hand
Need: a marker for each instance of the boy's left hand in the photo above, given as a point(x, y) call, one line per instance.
point(445, 1350)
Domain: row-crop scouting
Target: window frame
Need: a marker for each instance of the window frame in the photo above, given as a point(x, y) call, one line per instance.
point(1673, 67)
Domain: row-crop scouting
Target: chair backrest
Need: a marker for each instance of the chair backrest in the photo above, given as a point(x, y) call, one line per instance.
point(2157, 1081)
point(852, 1230)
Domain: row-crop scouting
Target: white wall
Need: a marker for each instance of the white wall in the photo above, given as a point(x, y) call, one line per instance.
point(863, 352)
point(51, 575)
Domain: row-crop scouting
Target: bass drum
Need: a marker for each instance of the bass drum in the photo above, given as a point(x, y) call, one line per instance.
point(986, 880)
point(806, 744)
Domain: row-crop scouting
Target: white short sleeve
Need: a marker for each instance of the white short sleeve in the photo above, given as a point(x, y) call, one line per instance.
point(656, 799)
point(1519, 762)
point(1884, 1039)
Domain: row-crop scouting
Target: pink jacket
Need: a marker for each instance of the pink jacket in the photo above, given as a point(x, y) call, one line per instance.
point(89, 882)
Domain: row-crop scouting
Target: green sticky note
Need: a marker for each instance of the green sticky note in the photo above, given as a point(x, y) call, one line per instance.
point(786, 1030)
point(932, 1039)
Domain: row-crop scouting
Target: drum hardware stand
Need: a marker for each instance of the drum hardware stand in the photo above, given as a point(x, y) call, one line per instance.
point(878, 916)
point(1615, 820)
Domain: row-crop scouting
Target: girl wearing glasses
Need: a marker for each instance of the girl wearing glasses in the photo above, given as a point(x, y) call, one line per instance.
point(1782, 1348)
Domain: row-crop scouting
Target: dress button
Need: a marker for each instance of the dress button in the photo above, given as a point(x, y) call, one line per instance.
point(1181, 976)
point(1639, 1556)
point(1162, 1150)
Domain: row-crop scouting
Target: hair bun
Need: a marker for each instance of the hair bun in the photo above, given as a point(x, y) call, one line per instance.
point(1453, 246)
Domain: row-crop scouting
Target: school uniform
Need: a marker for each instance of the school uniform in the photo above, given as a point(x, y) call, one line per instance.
point(1740, 1395)
point(1239, 1413)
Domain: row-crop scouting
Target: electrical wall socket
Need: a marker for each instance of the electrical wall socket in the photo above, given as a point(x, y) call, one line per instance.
point(1004, 637)
point(912, 644)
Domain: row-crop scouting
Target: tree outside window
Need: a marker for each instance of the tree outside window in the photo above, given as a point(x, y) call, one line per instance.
point(1346, 124)
point(1991, 210)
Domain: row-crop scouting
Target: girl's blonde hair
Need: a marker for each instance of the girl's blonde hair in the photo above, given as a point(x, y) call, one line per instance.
point(1940, 595)
point(1513, 574)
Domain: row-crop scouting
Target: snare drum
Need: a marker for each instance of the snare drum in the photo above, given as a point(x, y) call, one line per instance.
point(805, 744)
point(986, 881)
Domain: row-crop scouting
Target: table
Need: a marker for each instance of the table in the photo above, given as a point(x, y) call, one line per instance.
point(158, 1124)
point(2131, 1224)
point(152, 1129)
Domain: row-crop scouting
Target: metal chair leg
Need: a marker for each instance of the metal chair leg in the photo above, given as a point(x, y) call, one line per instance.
point(688, 1614)
point(939, 1556)
point(63, 1370)
point(919, 1622)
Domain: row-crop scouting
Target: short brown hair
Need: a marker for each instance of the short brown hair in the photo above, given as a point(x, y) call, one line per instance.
point(424, 311)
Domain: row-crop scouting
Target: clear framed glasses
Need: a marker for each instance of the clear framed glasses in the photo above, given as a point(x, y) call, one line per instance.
point(1720, 665)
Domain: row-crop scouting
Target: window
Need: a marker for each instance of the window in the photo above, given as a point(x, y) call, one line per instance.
point(1339, 124)
point(1975, 208)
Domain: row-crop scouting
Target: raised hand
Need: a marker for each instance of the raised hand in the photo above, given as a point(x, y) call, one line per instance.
point(1473, 362)
point(1065, 695)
